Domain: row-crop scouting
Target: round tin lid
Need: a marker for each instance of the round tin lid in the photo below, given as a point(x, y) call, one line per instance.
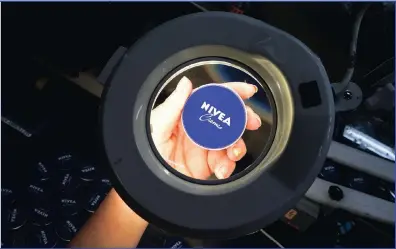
point(214, 117)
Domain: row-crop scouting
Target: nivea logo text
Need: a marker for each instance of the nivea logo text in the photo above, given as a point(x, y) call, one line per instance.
point(213, 112)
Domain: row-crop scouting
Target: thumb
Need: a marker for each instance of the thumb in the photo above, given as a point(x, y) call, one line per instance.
point(166, 116)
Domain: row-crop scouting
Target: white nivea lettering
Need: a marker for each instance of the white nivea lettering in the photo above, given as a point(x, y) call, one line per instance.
point(71, 226)
point(177, 245)
point(35, 188)
point(65, 179)
point(6, 191)
point(39, 212)
point(44, 237)
point(214, 112)
point(86, 170)
point(13, 215)
point(65, 157)
point(227, 121)
point(95, 200)
point(68, 201)
point(205, 106)
point(42, 167)
point(208, 118)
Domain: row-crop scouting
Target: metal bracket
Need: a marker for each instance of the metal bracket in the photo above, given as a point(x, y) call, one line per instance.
point(347, 99)
point(353, 201)
point(361, 161)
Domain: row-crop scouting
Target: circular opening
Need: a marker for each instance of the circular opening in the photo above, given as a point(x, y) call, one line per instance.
point(183, 156)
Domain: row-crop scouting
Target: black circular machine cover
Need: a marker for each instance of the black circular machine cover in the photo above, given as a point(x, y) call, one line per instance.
point(301, 97)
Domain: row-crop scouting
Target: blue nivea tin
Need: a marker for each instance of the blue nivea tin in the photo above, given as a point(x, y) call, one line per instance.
point(214, 116)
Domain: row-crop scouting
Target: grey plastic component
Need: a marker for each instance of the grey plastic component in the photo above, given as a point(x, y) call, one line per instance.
point(383, 98)
point(311, 208)
point(354, 201)
point(184, 206)
point(361, 161)
point(347, 104)
point(111, 64)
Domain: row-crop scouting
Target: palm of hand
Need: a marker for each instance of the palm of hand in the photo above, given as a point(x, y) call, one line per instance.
point(194, 161)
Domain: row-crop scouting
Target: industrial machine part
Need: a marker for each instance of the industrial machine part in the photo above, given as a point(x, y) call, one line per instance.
point(285, 70)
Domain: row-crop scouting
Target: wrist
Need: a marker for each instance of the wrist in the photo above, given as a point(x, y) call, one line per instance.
point(127, 214)
point(113, 225)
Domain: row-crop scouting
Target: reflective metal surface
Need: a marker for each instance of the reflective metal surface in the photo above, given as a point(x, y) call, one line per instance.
point(366, 142)
point(218, 71)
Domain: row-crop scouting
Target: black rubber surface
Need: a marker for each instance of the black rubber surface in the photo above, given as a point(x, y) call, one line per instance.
point(206, 211)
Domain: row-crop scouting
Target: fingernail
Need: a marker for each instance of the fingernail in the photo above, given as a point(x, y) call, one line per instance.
point(255, 88)
point(258, 119)
point(236, 151)
point(220, 172)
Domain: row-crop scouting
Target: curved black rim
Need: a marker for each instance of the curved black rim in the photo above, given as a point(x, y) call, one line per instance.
point(269, 208)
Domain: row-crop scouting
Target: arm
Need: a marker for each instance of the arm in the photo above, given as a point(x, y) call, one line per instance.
point(113, 225)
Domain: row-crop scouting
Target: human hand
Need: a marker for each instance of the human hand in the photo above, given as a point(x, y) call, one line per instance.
point(180, 152)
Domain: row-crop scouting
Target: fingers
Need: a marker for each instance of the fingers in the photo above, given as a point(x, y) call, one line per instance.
point(220, 164)
point(174, 104)
point(180, 163)
point(253, 120)
point(244, 90)
point(165, 117)
point(237, 151)
point(180, 167)
point(196, 159)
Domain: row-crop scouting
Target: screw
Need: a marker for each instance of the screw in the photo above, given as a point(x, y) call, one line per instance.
point(348, 95)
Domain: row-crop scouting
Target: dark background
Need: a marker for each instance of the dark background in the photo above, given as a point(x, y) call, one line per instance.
point(51, 39)
point(73, 36)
